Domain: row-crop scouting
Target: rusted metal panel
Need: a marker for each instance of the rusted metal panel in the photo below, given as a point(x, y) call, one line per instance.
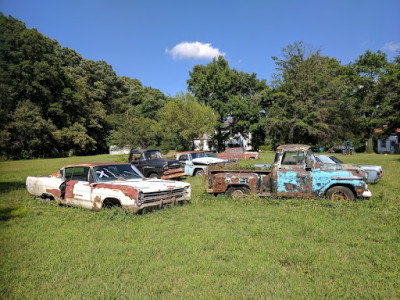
point(173, 173)
point(238, 153)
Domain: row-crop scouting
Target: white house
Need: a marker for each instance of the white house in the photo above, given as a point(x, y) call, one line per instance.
point(115, 150)
point(388, 145)
point(205, 142)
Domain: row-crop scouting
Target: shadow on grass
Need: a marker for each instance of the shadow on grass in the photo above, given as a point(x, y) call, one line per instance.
point(8, 213)
point(6, 187)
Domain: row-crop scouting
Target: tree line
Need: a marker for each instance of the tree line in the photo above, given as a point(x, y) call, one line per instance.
point(54, 102)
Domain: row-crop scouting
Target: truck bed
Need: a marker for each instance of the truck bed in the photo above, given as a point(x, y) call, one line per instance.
point(257, 181)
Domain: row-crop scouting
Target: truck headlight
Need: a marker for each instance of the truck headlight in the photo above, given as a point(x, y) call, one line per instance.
point(165, 167)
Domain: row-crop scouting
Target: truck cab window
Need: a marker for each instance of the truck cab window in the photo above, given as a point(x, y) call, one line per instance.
point(183, 157)
point(293, 157)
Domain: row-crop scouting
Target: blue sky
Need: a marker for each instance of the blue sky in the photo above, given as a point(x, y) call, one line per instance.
point(159, 42)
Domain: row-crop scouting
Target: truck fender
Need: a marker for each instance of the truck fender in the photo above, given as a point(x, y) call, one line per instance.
point(349, 186)
point(237, 191)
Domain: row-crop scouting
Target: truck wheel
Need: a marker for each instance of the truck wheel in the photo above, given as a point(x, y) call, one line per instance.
point(252, 157)
point(237, 192)
point(340, 193)
point(154, 175)
point(199, 172)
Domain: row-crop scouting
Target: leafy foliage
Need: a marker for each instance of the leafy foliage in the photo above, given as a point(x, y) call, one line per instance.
point(231, 94)
point(70, 103)
point(183, 118)
point(55, 102)
point(316, 100)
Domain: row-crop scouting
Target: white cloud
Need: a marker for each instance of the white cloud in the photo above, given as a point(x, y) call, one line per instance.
point(393, 47)
point(194, 50)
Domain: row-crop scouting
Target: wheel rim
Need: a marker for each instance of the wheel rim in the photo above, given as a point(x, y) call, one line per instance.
point(237, 194)
point(200, 173)
point(339, 196)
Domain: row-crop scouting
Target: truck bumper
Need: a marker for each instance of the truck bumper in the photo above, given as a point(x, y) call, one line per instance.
point(367, 194)
point(157, 204)
point(172, 176)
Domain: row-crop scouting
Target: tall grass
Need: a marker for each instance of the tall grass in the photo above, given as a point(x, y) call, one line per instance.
point(214, 247)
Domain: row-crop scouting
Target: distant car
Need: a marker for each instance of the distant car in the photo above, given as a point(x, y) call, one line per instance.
point(238, 153)
point(341, 149)
point(97, 185)
point(375, 173)
point(197, 162)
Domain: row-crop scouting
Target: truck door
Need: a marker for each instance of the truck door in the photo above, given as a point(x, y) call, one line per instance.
point(184, 159)
point(293, 178)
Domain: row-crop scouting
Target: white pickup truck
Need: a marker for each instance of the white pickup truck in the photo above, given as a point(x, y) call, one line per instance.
point(98, 185)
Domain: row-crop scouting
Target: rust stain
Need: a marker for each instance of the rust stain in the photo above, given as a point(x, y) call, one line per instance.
point(55, 192)
point(96, 203)
point(69, 189)
point(128, 191)
point(170, 174)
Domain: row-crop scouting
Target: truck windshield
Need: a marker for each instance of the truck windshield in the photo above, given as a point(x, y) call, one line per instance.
point(114, 172)
point(149, 155)
point(198, 155)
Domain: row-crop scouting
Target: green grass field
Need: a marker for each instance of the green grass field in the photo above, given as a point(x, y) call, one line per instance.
point(214, 247)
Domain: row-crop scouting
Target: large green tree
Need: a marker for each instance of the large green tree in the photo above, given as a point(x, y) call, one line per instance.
point(135, 132)
point(70, 92)
point(308, 102)
point(376, 87)
point(389, 91)
point(226, 91)
point(183, 118)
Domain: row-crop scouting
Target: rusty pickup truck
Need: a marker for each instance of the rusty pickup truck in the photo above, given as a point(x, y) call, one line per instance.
point(295, 173)
point(237, 153)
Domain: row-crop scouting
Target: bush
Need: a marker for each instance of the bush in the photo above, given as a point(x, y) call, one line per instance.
point(266, 148)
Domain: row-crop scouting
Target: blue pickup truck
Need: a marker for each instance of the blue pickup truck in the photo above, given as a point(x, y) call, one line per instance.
point(196, 163)
point(295, 173)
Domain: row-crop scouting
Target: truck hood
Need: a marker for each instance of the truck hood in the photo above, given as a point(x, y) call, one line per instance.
point(346, 167)
point(369, 167)
point(208, 160)
point(146, 185)
point(349, 167)
point(160, 162)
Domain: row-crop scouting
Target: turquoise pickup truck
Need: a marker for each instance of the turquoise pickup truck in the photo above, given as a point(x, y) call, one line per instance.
point(295, 173)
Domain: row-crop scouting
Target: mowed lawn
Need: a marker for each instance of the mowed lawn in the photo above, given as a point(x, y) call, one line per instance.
point(214, 247)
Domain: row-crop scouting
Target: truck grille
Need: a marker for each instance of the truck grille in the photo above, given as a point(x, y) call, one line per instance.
point(174, 166)
point(164, 195)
